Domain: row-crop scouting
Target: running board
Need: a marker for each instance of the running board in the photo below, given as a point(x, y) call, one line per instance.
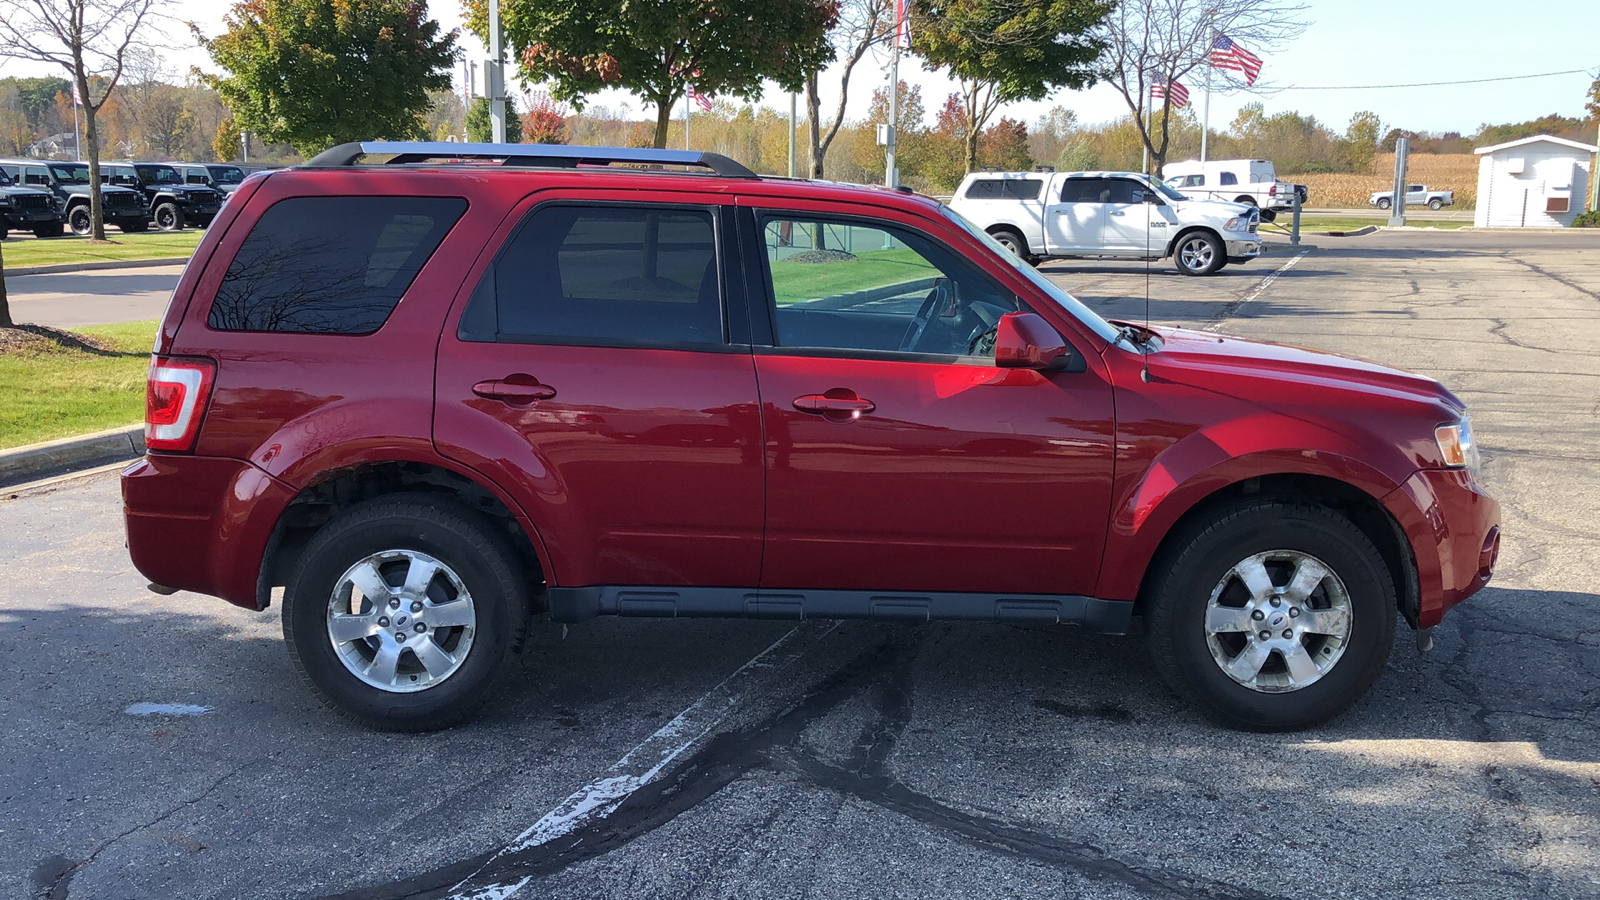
point(582, 604)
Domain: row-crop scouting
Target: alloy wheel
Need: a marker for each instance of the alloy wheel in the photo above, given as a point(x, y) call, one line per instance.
point(401, 621)
point(1278, 621)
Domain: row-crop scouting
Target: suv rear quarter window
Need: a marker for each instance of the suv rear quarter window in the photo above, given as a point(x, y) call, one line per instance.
point(330, 265)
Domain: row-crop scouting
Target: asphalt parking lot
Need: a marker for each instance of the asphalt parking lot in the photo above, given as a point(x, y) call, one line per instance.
point(160, 747)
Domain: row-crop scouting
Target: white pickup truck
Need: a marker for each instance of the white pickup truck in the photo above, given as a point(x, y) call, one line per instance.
point(1416, 195)
point(1047, 215)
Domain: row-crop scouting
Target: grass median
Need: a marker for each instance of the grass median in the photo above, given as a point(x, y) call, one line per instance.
point(32, 251)
point(58, 386)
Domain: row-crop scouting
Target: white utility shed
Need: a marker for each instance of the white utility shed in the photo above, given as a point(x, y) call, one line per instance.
point(1535, 182)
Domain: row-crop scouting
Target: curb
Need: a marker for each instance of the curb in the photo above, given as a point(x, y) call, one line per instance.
point(63, 268)
point(35, 461)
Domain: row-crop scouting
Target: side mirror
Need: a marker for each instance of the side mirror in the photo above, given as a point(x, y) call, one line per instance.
point(1153, 198)
point(1025, 341)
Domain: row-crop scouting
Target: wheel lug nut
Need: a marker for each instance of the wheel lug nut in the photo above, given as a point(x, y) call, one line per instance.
point(400, 636)
point(394, 603)
point(420, 628)
point(1287, 634)
point(1294, 611)
point(416, 606)
point(1276, 603)
point(1258, 615)
point(1266, 635)
point(383, 621)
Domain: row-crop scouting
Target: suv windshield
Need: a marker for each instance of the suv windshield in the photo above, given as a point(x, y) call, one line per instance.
point(226, 174)
point(1166, 189)
point(159, 175)
point(1066, 301)
point(70, 173)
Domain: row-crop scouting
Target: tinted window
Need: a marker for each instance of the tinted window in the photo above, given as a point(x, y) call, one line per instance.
point(35, 176)
point(1125, 191)
point(1229, 178)
point(604, 275)
point(227, 174)
point(844, 286)
point(1007, 188)
point(1085, 190)
point(159, 174)
point(196, 176)
point(331, 265)
point(1192, 181)
point(75, 173)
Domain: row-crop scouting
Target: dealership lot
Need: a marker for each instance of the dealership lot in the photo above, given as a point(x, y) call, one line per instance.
point(871, 760)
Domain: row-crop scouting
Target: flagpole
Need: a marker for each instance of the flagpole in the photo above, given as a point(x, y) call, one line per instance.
point(687, 102)
point(77, 132)
point(894, 105)
point(1205, 119)
point(1144, 101)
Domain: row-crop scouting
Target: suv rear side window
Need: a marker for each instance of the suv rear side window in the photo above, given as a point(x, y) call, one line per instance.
point(331, 265)
point(601, 275)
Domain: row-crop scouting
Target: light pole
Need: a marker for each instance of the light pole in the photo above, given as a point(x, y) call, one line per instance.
point(496, 77)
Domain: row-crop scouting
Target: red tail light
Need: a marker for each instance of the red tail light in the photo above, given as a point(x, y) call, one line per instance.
point(175, 397)
point(1272, 191)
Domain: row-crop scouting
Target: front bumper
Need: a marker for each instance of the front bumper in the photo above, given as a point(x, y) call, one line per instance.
point(1243, 249)
point(1454, 531)
point(200, 523)
point(32, 218)
point(195, 211)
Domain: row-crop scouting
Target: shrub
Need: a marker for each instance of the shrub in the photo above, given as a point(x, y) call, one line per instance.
point(1590, 219)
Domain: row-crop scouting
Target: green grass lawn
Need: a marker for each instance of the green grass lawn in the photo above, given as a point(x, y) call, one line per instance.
point(1310, 223)
point(795, 282)
point(32, 251)
point(53, 391)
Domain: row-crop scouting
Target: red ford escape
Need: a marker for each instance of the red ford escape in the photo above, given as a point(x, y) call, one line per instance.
point(436, 391)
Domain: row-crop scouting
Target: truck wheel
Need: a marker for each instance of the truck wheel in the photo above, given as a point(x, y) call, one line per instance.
point(1247, 200)
point(168, 217)
point(404, 613)
point(1436, 204)
point(1271, 615)
point(1384, 203)
point(79, 221)
point(1199, 253)
point(1011, 241)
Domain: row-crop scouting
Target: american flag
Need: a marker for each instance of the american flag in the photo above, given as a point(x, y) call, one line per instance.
point(700, 100)
point(1177, 93)
point(902, 24)
point(1226, 54)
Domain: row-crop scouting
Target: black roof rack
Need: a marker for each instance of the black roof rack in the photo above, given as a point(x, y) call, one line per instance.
point(560, 156)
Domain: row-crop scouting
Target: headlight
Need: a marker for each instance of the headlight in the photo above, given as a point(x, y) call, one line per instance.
point(1237, 223)
point(5, 201)
point(1456, 445)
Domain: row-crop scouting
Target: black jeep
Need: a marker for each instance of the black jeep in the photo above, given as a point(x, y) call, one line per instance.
point(172, 203)
point(28, 209)
point(68, 183)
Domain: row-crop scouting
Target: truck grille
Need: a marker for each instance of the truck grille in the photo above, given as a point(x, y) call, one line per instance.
point(203, 196)
point(30, 201)
point(120, 199)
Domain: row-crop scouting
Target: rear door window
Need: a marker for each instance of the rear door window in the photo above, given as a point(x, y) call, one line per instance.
point(331, 265)
point(1085, 190)
point(604, 276)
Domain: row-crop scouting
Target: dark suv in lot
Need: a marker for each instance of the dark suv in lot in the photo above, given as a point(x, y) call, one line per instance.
point(172, 202)
point(224, 178)
point(68, 183)
point(436, 394)
point(28, 209)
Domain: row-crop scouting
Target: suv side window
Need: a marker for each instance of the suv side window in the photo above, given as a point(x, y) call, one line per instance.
point(35, 175)
point(195, 176)
point(1229, 178)
point(330, 265)
point(603, 276)
point(841, 285)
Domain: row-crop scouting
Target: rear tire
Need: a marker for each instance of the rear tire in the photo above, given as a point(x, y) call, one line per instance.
point(1436, 204)
point(1327, 637)
point(1199, 253)
point(435, 638)
point(1011, 241)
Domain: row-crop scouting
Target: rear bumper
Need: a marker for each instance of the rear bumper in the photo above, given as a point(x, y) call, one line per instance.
point(200, 523)
point(1454, 532)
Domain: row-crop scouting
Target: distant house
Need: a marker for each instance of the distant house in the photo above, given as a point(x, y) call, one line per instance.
point(1539, 181)
point(56, 146)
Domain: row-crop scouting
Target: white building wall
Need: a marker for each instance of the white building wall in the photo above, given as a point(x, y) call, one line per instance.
point(1507, 200)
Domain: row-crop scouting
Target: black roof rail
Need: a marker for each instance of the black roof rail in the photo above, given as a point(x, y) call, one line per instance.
point(560, 156)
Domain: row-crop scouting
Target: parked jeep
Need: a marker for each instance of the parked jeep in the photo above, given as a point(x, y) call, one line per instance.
point(172, 202)
point(68, 183)
point(459, 388)
point(28, 209)
point(224, 178)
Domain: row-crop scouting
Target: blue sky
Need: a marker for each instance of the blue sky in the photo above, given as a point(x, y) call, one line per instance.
point(1350, 42)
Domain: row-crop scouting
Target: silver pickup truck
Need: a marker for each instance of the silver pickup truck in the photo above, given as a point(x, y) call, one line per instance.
point(1047, 215)
point(1416, 195)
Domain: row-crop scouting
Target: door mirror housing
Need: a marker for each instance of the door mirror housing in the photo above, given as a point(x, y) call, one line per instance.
point(1022, 340)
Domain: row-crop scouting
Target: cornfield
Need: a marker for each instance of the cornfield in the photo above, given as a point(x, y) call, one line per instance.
point(1440, 172)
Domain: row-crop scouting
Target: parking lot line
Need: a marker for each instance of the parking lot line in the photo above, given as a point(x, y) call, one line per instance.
point(645, 762)
point(1256, 291)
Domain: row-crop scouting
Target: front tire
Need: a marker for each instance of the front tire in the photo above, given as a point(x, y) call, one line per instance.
point(168, 217)
point(79, 220)
point(1385, 203)
point(405, 612)
point(1271, 615)
point(1011, 241)
point(1199, 253)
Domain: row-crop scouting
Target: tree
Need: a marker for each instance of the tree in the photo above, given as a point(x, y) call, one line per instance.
point(85, 37)
point(546, 120)
point(1005, 146)
point(1002, 51)
point(481, 130)
point(314, 73)
point(657, 49)
point(1593, 104)
point(862, 25)
point(228, 141)
point(1173, 38)
point(1362, 137)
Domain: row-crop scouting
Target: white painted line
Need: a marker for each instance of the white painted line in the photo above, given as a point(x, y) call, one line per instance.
point(167, 709)
point(645, 762)
point(1256, 291)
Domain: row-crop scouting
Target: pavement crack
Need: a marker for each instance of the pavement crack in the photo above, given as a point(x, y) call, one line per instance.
point(1554, 277)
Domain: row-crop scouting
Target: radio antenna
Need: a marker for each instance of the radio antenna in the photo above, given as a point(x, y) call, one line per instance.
point(1144, 349)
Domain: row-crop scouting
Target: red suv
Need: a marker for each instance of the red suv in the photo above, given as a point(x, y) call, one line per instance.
point(452, 388)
